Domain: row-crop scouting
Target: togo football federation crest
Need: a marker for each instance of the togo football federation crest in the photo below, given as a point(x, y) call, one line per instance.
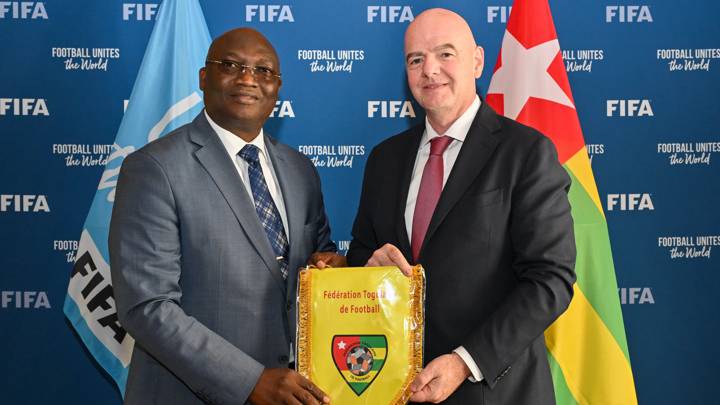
point(359, 359)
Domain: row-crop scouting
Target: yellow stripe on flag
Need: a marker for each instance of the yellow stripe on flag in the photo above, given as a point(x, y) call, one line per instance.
point(579, 165)
point(595, 369)
point(353, 378)
point(379, 353)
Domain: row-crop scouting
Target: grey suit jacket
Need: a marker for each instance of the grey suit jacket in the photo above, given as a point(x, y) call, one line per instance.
point(195, 278)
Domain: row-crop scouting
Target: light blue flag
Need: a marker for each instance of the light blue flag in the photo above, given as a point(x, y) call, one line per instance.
point(165, 96)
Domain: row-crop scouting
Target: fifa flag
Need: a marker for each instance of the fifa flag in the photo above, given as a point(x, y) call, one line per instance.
point(587, 348)
point(164, 97)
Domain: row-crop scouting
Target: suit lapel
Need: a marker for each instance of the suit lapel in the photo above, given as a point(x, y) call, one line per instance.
point(291, 187)
point(406, 158)
point(477, 149)
point(213, 156)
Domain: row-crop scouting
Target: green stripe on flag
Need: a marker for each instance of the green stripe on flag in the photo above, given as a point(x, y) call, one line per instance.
point(584, 211)
point(594, 265)
point(562, 392)
point(373, 341)
point(377, 364)
point(358, 387)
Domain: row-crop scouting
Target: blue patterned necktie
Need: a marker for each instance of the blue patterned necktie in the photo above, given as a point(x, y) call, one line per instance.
point(265, 207)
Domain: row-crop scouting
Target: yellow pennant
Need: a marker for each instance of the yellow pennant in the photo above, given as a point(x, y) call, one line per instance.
point(360, 332)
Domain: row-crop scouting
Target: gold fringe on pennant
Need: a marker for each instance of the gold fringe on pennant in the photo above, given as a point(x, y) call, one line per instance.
point(302, 353)
point(417, 311)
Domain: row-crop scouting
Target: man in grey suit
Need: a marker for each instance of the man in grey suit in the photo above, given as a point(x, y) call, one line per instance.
point(209, 227)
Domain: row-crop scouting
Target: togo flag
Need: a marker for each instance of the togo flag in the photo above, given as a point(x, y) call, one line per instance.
point(587, 348)
point(359, 359)
point(164, 97)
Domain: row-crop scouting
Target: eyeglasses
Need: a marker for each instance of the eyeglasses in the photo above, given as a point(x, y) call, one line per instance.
point(230, 67)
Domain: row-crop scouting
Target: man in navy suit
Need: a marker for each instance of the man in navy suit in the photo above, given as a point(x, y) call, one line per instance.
point(481, 202)
point(209, 227)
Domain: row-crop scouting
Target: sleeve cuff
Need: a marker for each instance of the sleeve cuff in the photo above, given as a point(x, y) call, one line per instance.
point(476, 374)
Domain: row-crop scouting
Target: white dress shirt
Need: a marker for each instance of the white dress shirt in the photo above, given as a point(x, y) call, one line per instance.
point(233, 144)
point(458, 131)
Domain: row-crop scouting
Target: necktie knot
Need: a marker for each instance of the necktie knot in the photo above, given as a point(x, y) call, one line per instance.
point(249, 153)
point(439, 144)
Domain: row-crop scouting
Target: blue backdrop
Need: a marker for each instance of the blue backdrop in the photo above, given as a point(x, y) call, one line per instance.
point(645, 78)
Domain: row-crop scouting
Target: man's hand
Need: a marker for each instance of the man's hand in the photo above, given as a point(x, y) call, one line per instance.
point(327, 259)
point(389, 255)
point(440, 378)
point(285, 386)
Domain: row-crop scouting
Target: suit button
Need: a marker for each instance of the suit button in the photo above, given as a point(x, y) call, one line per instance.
point(504, 373)
point(283, 359)
point(289, 305)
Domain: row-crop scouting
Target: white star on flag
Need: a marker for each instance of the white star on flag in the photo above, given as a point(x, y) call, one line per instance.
point(342, 345)
point(523, 74)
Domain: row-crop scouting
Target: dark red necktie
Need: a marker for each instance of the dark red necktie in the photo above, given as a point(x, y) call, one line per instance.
point(428, 195)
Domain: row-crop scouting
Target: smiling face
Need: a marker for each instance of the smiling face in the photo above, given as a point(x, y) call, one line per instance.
point(240, 102)
point(442, 63)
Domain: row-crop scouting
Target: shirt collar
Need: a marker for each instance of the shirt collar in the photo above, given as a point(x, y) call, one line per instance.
point(233, 143)
point(459, 129)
